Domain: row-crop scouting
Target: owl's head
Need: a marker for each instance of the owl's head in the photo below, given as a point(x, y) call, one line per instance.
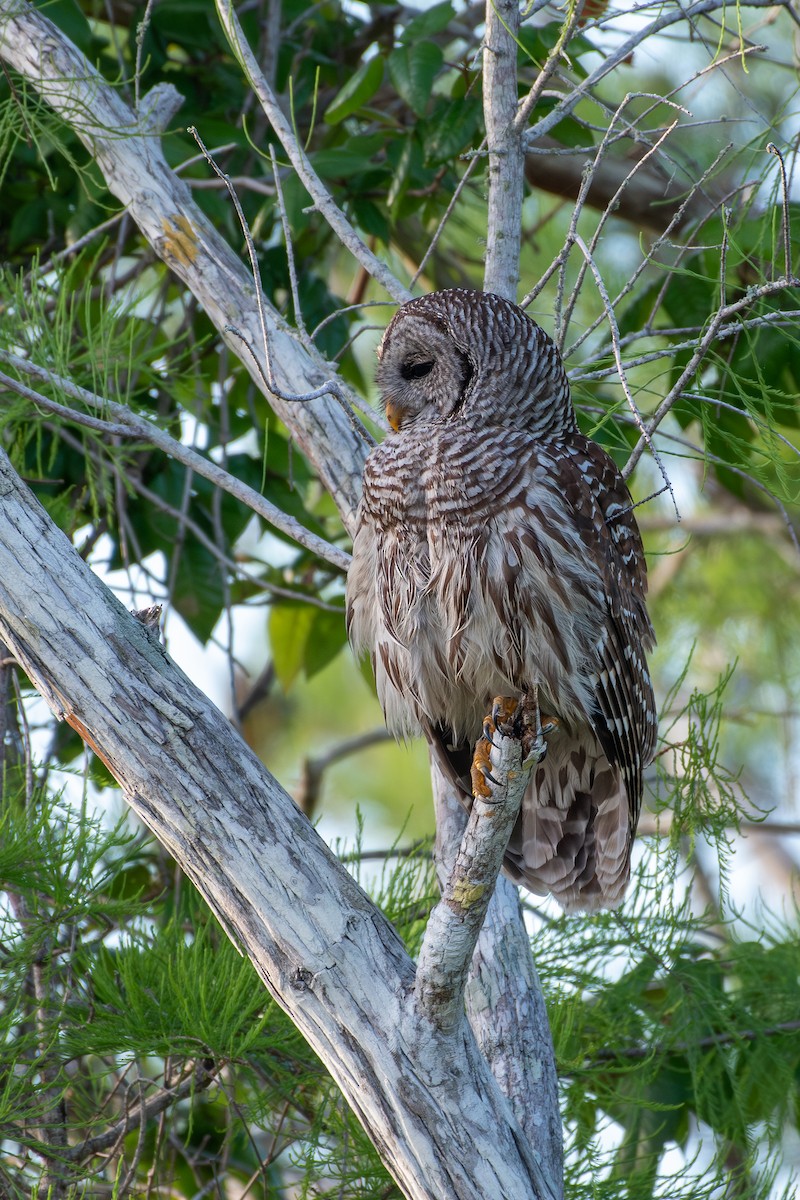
point(467, 355)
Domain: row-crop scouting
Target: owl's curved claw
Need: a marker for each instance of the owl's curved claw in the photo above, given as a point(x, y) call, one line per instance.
point(536, 727)
point(506, 715)
point(519, 718)
point(481, 770)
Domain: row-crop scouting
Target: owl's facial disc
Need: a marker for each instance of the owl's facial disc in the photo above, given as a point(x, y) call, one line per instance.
point(422, 374)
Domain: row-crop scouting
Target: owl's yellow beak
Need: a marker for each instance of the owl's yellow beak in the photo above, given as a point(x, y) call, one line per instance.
point(394, 414)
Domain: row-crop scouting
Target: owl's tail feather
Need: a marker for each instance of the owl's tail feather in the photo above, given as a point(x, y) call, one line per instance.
point(573, 836)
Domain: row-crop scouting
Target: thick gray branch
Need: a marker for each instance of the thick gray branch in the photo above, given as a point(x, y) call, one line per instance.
point(506, 160)
point(457, 919)
point(129, 154)
point(319, 944)
point(504, 1001)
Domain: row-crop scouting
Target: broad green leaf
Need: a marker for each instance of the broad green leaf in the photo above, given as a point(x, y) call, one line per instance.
point(410, 152)
point(412, 70)
point(371, 219)
point(360, 88)
point(433, 21)
point(290, 626)
point(326, 639)
point(357, 154)
point(198, 594)
point(451, 129)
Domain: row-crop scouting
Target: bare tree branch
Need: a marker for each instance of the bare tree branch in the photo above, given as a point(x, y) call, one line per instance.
point(163, 208)
point(456, 920)
point(316, 189)
point(720, 317)
point(505, 1005)
point(504, 216)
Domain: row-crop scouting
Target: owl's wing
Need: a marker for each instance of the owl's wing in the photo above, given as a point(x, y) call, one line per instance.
point(624, 713)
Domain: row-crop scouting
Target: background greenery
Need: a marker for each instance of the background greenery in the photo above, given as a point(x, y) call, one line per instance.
point(140, 1053)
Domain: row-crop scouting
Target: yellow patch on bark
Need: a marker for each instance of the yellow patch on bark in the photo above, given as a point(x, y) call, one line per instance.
point(180, 239)
point(466, 894)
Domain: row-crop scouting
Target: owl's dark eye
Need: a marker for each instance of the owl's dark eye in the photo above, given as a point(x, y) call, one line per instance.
point(416, 370)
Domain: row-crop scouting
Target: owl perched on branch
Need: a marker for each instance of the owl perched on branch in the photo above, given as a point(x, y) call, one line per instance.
point(496, 555)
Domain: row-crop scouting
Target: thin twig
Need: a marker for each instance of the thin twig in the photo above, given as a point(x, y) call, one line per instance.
point(622, 53)
point(313, 769)
point(331, 387)
point(674, 223)
point(614, 329)
point(553, 59)
point(724, 1038)
point(565, 320)
point(787, 248)
point(722, 315)
point(287, 241)
point(462, 183)
point(141, 30)
point(323, 201)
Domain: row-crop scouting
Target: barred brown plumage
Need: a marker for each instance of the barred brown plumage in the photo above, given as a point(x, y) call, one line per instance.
point(496, 552)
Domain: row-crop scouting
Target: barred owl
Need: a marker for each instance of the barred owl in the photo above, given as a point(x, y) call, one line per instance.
point(496, 552)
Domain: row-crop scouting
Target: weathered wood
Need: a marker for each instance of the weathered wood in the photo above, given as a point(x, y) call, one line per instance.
point(325, 952)
point(504, 1000)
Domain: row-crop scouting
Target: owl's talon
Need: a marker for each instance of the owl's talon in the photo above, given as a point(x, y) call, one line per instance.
point(506, 714)
point(481, 770)
point(537, 728)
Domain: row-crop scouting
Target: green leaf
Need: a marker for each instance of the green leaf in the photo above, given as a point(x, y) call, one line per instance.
point(370, 219)
point(360, 88)
point(451, 129)
point(569, 133)
point(412, 70)
point(433, 21)
point(337, 162)
point(328, 636)
point(290, 627)
point(198, 594)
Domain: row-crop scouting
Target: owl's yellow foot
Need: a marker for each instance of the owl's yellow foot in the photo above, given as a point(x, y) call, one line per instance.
point(512, 718)
point(481, 770)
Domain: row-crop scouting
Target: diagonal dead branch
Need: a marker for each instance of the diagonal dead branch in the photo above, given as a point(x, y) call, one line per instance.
point(317, 941)
point(161, 204)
